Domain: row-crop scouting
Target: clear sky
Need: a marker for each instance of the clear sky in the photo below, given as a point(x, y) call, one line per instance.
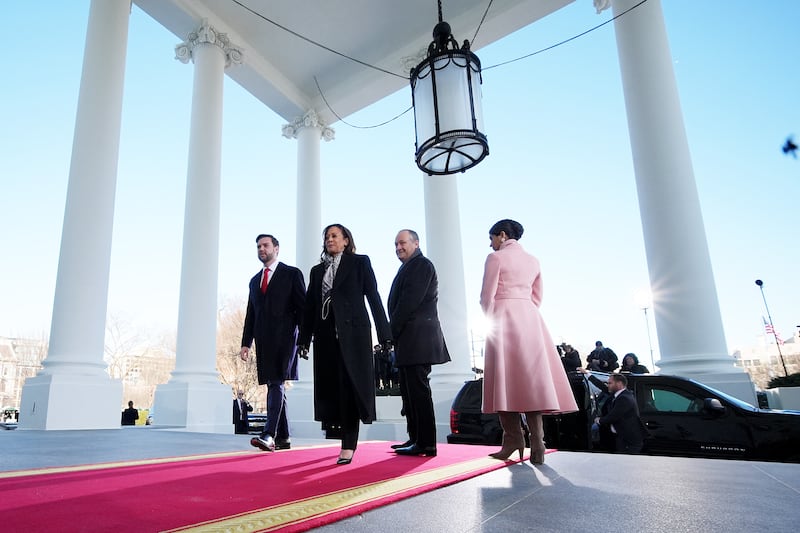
point(560, 163)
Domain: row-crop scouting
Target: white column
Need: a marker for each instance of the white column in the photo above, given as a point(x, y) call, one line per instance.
point(194, 397)
point(308, 130)
point(690, 334)
point(444, 249)
point(73, 389)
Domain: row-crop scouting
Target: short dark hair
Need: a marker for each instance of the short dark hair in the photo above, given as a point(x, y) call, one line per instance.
point(512, 228)
point(351, 245)
point(273, 239)
point(619, 378)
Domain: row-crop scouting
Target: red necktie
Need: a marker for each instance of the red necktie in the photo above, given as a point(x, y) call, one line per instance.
point(264, 281)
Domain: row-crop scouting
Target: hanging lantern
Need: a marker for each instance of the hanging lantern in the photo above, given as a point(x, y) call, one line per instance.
point(446, 95)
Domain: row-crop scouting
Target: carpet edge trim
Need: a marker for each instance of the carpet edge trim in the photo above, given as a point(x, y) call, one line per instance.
point(297, 512)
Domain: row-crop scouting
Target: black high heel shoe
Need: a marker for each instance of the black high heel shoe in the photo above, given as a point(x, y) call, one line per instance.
point(345, 460)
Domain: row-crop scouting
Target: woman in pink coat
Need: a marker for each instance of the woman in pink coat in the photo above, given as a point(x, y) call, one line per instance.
point(522, 369)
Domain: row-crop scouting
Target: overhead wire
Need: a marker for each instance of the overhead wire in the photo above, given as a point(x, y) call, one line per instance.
point(364, 63)
point(315, 43)
point(486, 12)
point(565, 41)
point(343, 121)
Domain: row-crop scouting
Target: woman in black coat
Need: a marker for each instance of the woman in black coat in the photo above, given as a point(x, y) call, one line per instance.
point(630, 363)
point(337, 319)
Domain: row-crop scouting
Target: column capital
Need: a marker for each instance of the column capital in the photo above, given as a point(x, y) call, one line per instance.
point(207, 34)
point(309, 120)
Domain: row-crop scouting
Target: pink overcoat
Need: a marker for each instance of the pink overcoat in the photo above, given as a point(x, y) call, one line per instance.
point(522, 368)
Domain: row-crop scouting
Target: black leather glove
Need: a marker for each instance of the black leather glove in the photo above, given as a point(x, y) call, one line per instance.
point(387, 346)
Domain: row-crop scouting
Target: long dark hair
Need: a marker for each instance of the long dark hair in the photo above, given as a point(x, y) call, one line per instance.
point(349, 249)
point(633, 355)
point(512, 228)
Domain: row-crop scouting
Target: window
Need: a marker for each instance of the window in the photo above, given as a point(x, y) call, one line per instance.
point(669, 401)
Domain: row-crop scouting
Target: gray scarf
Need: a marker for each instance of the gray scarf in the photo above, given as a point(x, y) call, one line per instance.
point(331, 266)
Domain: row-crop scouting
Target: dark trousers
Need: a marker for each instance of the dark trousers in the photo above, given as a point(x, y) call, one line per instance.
point(626, 447)
point(241, 426)
point(277, 425)
point(348, 408)
point(415, 389)
point(340, 415)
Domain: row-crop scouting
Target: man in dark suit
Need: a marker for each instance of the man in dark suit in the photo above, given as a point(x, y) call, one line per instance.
point(418, 340)
point(240, 409)
point(623, 417)
point(130, 415)
point(274, 312)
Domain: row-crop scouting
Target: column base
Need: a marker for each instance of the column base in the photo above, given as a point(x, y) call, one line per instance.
point(70, 402)
point(715, 370)
point(200, 407)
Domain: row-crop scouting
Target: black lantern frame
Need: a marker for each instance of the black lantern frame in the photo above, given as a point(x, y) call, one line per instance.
point(448, 118)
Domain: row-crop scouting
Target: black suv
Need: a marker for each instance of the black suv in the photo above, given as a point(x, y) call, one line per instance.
point(683, 417)
point(256, 422)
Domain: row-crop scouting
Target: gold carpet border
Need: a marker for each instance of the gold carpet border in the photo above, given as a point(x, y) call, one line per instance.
point(140, 462)
point(276, 517)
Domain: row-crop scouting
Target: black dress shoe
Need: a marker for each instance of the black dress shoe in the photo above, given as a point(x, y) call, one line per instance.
point(404, 445)
point(283, 444)
point(428, 451)
point(264, 442)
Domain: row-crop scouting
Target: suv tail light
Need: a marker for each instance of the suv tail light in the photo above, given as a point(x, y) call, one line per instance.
point(453, 421)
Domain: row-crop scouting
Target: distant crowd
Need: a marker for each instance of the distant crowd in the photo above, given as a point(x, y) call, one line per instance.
point(601, 359)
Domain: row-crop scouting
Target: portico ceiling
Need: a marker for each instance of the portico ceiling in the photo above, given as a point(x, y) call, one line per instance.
point(282, 69)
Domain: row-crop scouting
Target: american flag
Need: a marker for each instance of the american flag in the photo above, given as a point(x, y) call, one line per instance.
point(770, 330)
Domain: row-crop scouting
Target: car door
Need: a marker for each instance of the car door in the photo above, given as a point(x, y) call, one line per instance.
point(680, 423)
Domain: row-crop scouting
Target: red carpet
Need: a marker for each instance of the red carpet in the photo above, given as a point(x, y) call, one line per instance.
point(292, 490)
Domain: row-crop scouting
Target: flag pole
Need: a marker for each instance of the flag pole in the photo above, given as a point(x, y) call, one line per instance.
point(774, 334)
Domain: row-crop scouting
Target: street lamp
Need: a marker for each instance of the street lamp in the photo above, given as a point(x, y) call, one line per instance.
point(772, 326)
point(649, 339)
point(644, 300)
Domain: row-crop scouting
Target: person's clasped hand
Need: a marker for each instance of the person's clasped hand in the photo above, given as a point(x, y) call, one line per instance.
point(302, 351)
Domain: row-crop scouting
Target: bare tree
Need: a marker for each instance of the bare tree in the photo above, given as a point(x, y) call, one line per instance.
point(20, 358)
point(120, 344)
point(240, 375)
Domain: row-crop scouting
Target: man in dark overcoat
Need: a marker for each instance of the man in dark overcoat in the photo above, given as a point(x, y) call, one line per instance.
point(274, 313)
point(418, 340)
